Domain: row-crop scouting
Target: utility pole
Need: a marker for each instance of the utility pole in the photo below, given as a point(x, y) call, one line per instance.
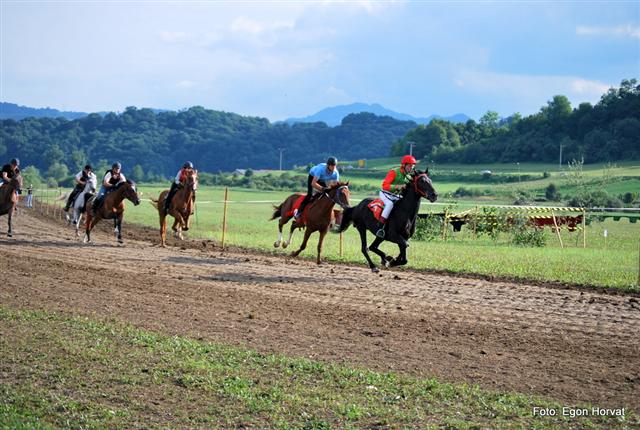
point(281, 151)
point(560, 163)
point(411, 147)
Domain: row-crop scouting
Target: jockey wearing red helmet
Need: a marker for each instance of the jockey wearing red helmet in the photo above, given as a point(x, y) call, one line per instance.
point(392, 186)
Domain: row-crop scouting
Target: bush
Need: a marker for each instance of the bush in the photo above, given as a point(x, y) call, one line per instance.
point(527, 235)
point(600, 199)
point(428, 229)
point(551, 193)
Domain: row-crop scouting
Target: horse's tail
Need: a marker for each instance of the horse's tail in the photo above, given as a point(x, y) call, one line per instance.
point(347, 219)
point(277, 212)
point(154, 202)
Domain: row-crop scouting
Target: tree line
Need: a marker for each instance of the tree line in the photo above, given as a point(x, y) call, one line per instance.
point(608, 131)
point(155, 144)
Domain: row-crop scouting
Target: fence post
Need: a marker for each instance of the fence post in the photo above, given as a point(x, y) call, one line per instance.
point(444, 224)
point(224, 215)
point(555, 223)
point(584, 228)
point(475, 223)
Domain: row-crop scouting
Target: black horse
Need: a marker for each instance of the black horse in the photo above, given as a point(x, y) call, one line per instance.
point(401, 223)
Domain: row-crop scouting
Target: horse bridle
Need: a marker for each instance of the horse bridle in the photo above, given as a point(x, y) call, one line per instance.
point(334, 198)
point(415, 185)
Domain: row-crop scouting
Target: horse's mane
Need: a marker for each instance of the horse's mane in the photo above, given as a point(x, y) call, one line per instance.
point(128, 181)
point(338, 185)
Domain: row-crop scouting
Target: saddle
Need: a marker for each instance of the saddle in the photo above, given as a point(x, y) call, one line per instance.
point(86, 196)
point(376, 207)
point(296, 205)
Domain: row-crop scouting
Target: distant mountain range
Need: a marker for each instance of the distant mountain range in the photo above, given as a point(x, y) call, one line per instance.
point(332, 116)
point(16, 112)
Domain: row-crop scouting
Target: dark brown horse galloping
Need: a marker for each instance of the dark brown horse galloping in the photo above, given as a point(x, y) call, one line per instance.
point(316, 217)
point(9, 199)
point(112, 208)
point(181, 207)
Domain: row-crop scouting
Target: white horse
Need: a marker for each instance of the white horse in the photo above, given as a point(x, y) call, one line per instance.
point(79, 204)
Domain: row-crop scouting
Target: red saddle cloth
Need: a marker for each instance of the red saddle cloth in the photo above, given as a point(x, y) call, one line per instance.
point(376, 208)
point(296, 205)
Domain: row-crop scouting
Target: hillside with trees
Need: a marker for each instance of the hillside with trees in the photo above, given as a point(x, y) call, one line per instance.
point(157, 143)
point(608, 131)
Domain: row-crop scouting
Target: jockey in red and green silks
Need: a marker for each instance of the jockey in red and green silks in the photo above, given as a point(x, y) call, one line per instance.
point(392, 186)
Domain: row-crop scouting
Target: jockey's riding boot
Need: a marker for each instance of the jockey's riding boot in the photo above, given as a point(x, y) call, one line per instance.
point(380, 229)
point(296, 214)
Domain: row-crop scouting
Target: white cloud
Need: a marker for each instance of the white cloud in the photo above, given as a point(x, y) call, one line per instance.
point(589, 88)
point(621, 30)
point(186, 84)
point(175, 36)
point(530, 92)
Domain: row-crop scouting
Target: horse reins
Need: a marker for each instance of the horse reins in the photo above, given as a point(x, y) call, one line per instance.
point(338, 202)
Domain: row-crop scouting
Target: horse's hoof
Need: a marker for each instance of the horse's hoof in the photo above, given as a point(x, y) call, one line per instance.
point(284, 245)
point(9, 234)
point(375, 269)
point(276, 244)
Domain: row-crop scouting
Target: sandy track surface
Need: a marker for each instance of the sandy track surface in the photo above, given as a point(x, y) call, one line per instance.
point(572, 345)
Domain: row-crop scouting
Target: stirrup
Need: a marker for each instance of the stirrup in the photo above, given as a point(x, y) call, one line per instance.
point(380, 233)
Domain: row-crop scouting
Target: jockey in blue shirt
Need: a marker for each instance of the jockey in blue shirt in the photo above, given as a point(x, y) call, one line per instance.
point(320, 177)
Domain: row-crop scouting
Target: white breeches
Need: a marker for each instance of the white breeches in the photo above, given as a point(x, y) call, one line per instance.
point(388, 199)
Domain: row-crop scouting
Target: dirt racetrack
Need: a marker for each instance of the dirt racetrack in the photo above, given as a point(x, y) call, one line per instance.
point(572, 345)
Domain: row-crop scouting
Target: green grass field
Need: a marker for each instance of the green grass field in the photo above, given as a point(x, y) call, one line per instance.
point(85, 373)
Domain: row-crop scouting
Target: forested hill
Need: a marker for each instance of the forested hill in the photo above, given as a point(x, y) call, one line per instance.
point(215, 141)
point(608, 131)
point(17, 112)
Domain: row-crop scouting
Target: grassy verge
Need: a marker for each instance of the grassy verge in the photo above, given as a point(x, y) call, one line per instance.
point(76, 372)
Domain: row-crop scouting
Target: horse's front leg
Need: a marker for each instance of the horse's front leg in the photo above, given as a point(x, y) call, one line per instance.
point(187, 221)
point(177, 225)
point(118, 223)
point(401, 259)
point(90, 222)
point(323, 233)
point(384, 258)
point(303, 245)
point(77, 218)
point(363, 242)
point(9, 221)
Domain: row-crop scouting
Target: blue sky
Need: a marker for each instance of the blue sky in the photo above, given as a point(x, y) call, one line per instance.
point(293, 58)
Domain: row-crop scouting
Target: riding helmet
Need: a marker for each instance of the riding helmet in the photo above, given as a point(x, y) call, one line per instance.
point(88, 167)
point(187, 165)
point(332, 161)
point(116, 165)
point(408, 159)
point(15, 162)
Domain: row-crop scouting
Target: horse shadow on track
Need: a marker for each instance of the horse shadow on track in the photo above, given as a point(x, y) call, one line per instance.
point(53, 244)
point(260, 279)
point(205, 260)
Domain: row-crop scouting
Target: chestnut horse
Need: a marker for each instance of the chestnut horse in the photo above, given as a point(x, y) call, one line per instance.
point(9, 199)
point(112, 208)
point(181, 207)
point(316, 217)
